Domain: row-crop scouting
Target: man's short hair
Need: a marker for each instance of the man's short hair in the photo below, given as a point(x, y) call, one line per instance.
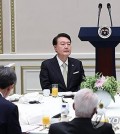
point(7, 77)
point(54, 42)
point(85, 103)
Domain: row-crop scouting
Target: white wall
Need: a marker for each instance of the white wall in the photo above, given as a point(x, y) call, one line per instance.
point(38, 21)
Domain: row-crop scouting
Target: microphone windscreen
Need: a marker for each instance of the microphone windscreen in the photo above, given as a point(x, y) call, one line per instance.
point(100, 5)
point(108, 5)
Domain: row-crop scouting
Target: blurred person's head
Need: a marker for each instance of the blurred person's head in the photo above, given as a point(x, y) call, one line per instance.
point(7, 80)
point(62, 45)
point(85, 103)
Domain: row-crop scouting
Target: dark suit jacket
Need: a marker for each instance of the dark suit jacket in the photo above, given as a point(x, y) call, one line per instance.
point(80, 126)
point(9, 121)
point(51, 74)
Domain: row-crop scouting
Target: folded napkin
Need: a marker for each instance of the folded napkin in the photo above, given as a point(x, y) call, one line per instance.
point(14, 97)
point(31, 97)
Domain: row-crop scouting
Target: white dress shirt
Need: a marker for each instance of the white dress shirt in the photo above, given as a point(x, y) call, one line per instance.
point(61, 63)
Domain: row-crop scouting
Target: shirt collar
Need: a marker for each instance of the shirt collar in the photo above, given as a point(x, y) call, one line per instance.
point(1, 94)
point(61, 62)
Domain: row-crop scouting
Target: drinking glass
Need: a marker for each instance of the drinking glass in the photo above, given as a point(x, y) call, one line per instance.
point(54, 90)
point(46, 121)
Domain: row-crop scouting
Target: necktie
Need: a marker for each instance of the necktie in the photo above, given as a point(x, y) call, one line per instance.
point(64, 73)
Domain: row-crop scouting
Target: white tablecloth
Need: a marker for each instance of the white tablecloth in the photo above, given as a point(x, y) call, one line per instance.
point(30, 114)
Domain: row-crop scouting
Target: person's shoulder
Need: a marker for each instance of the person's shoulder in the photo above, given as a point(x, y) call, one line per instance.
point(106, 124)
point(74, 60)
point(59, 124)
point(107, 128)
point(103, 126)
point(56, 128)
point(8, 104)
point(48, 60)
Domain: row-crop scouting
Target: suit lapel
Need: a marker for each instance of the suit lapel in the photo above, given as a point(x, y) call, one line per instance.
point(0, 95)
point(70, 71)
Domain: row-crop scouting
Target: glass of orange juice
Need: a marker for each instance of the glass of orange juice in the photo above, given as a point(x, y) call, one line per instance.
point(54, 90)
point(46, 121)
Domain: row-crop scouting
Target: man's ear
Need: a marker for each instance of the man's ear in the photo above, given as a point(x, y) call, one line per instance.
point(9, 89)
point(94, 111)
point(12, 86)
point(74, 106)
point(55, 48)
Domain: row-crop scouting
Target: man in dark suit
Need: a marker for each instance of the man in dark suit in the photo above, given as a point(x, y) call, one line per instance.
point(85, 105)
point(9, 120)
point(53, 71)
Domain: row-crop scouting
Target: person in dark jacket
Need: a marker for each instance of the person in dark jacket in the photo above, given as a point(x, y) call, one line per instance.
point(85, 105)
point(52, 70)
point(9, 118)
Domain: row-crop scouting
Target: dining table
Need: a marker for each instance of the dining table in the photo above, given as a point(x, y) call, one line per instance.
point(33, 106)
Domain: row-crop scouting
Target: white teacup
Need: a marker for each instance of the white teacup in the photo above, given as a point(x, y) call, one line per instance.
point(46, 92)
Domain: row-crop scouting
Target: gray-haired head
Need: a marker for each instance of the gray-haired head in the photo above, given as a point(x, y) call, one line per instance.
point(7, 77)
point(85, 103)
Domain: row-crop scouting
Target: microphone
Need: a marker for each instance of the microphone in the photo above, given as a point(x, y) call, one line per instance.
point(99, 11)
point(109, 10)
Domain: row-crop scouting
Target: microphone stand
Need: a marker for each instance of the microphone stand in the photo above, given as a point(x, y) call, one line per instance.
point(109, 10)
point(100, 7)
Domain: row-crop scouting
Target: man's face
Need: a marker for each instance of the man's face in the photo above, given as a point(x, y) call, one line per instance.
point(63, 47)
